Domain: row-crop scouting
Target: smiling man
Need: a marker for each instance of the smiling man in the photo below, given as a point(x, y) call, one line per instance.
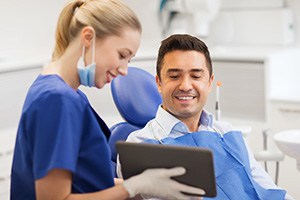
point(184, 79)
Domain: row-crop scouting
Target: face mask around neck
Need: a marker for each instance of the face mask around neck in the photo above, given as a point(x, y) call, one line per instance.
point(87, 73)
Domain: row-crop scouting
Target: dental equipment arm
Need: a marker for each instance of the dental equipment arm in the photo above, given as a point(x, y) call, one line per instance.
point(218, 109)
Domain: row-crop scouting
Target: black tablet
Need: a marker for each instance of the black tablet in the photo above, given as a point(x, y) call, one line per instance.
point(198, 162)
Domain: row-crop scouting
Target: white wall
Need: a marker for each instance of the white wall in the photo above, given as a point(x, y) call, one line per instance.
point(27, 29)
point(147, 11)
point(295, 6)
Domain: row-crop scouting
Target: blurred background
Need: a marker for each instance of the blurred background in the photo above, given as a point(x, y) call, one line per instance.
point(255, 49)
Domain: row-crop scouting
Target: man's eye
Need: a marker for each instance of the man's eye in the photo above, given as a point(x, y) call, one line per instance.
point(173, 76)
point(195, 76)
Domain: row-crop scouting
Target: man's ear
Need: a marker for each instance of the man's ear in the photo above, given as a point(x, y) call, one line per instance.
point(211, 80)
point(158, 83)
point(87, 35)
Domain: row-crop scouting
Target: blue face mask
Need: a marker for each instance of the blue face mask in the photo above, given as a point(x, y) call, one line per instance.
point(87, 73)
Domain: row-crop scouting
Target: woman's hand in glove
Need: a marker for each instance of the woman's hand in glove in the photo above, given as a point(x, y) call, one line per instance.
point(158, 183)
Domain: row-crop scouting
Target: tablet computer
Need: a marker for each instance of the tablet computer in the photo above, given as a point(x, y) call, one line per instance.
point(198, 162)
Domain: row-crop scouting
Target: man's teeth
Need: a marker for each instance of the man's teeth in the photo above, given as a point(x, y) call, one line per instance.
point(185, 98)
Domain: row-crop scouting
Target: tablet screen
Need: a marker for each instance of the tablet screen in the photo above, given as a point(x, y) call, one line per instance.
point(198, 162)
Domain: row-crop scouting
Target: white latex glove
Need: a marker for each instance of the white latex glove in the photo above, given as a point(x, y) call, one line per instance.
point(158, 183)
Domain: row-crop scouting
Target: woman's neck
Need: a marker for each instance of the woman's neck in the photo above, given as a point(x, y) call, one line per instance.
point(66, 66)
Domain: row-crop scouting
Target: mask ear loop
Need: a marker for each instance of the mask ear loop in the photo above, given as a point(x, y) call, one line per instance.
point(93, 48)
point(83, 53)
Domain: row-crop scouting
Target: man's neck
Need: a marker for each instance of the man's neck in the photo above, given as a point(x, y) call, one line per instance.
point(192, 123)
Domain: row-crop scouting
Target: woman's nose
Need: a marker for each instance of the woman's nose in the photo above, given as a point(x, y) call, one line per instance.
point(123, 70)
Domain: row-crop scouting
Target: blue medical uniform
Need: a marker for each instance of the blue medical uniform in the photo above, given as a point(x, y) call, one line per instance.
point(59, 129)
point(232, 167)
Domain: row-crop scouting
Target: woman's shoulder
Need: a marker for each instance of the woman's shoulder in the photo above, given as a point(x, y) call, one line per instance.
point(50, 90)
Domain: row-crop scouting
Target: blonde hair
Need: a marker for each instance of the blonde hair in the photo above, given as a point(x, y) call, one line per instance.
point(107, 17)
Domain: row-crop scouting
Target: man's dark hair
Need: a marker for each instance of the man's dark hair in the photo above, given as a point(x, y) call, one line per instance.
point(182, 42)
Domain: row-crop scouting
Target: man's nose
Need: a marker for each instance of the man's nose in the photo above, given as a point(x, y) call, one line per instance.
point(185, 84)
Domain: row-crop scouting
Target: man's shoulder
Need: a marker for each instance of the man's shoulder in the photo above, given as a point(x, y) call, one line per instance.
point(223, 126)
point(142, 134)
point(132, 137)
point(139, 135)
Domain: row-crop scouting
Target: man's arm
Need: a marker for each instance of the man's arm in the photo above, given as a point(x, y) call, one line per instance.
point(131, 138)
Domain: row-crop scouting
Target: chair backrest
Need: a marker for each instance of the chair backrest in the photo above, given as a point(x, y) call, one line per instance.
point(119, 131)
point(136, 96)
point(137, 99)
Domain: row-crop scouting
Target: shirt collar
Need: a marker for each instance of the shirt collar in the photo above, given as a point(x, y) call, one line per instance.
point(169, 123)
point(166, 120)
point(206, 118)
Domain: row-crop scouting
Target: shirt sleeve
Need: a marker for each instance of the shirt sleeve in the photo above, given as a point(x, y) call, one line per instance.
point(55, 128)
point(119, 170)
point(131, 138)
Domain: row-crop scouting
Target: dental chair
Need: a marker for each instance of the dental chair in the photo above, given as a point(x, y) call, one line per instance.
point(137, 99)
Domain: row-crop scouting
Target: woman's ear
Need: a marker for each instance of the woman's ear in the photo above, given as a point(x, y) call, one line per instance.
point(87, 35)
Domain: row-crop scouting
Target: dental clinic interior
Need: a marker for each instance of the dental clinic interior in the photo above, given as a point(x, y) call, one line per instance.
point(255, 50)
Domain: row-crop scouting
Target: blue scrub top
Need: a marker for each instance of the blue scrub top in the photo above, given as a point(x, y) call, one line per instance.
point(59, 129)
